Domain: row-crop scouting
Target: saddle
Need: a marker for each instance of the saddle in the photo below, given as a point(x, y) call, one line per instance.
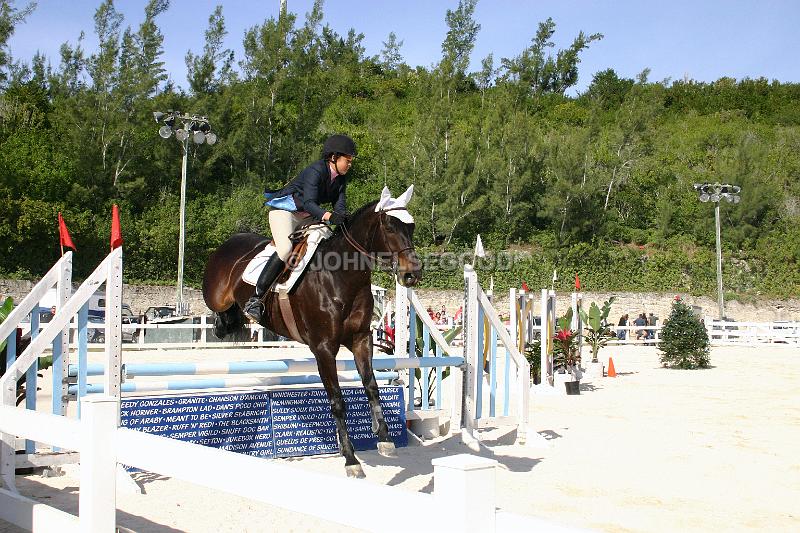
point(305, 242)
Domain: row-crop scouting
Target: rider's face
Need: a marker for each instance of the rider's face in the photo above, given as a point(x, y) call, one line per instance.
point(343, 163)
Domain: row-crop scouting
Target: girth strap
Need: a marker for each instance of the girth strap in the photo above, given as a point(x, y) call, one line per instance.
point(288, 315)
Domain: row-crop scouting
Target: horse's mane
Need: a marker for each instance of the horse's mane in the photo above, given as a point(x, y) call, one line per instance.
point(367, 208)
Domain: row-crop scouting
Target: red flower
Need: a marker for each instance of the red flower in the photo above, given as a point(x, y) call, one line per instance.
point(564, 335)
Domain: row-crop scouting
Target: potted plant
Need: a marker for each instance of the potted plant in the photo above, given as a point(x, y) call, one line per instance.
point(533, 354)
point(566, 357)
point(598, 333)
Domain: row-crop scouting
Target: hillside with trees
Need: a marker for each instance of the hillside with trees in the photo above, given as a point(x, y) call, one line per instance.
point(598, 184)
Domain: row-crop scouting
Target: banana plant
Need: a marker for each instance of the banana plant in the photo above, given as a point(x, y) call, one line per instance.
point(5, 310)
point(598, 332)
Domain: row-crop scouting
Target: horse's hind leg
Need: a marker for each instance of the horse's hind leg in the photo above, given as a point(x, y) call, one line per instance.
point(362, 351)
point(326, 363)
point(228, 321)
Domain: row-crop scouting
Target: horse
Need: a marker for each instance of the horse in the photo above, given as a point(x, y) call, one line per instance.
point(332, 307)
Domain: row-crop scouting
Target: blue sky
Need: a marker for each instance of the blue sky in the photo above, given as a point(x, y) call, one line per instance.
point(701, 40)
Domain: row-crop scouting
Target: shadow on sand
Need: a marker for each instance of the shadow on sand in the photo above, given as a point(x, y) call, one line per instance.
point(415, 461)
point(66, 500)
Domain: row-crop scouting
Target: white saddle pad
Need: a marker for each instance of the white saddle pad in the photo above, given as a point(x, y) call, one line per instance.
point(316, 234)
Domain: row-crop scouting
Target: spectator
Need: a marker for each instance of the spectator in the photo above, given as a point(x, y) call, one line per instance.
point(641, 321)
point(623, 321)
point(652, 320)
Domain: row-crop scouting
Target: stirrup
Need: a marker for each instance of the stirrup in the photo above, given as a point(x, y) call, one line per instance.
point(254, 310)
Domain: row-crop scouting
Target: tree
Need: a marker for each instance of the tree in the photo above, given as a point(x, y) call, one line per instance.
point(214, 69)
point(9, 18)
point(460, 40)
point(545, 74)
point(391, 58)
point(684, 340)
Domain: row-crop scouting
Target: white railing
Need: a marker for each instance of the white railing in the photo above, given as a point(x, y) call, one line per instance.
point(463, 498)
point(408, 308)
point(482, 327)
point(109, 272)
point(720, 333)
point(723, 332)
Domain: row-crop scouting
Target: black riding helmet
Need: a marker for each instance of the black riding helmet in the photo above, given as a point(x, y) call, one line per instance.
point(338, 144)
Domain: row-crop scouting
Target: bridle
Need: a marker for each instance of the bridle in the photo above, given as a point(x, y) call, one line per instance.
point(362, 250)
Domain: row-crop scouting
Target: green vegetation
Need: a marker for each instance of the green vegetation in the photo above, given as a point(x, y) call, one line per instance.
point(598, 332)
point(684, 340)
point(598, 184)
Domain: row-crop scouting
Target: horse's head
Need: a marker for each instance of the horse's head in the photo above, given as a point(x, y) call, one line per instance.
point(387, 231)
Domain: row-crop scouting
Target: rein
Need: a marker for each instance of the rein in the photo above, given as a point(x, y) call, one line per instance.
point(363, 251)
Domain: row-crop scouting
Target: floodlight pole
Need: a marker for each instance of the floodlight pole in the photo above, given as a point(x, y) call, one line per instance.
point(182, 234)
point(198, 129)
point(716, 192)
point(720, 297)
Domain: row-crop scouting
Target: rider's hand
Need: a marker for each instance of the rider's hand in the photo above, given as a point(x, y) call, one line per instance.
point(337, 218)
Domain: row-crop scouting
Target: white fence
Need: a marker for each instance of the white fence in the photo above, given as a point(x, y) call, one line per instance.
point(463, 499)
point(723, 332)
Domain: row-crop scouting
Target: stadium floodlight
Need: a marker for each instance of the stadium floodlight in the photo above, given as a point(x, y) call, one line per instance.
point(714, 192)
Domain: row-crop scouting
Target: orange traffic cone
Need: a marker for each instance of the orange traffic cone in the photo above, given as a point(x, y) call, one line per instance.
point(611, 372)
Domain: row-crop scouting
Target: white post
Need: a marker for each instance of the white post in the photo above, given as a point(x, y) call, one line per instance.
point(470, 335)
point(576, 324)
point(97, 503)
point(113, 344)
point(401, 325)
point(63, 293)
point(513, 323)
point(464, 488)
point(544, 337)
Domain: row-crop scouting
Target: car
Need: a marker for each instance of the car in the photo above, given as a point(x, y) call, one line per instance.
point(98, 335)
point(158, 312)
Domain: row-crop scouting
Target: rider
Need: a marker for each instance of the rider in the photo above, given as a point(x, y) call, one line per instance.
point(298, 203)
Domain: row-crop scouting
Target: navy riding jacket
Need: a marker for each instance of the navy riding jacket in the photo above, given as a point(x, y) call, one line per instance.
point(314, 186)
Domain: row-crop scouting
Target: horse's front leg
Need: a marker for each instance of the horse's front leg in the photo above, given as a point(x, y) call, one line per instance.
point(362, 352)
point(326, 363)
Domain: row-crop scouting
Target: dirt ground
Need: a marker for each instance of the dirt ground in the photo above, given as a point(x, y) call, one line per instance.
point(650, 450)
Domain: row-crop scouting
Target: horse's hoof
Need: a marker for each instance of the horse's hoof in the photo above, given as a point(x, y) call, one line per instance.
point(387, 449)
point(355, 471)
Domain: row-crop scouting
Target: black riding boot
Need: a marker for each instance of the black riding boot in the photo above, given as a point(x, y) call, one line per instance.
point(254, 308)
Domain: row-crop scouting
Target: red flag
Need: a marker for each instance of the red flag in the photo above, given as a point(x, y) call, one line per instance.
point(116, 233)
point(63, 234)
point(524, 286)
point(577, 282)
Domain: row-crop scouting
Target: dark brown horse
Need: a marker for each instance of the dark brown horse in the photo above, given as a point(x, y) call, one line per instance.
point(332, 302)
